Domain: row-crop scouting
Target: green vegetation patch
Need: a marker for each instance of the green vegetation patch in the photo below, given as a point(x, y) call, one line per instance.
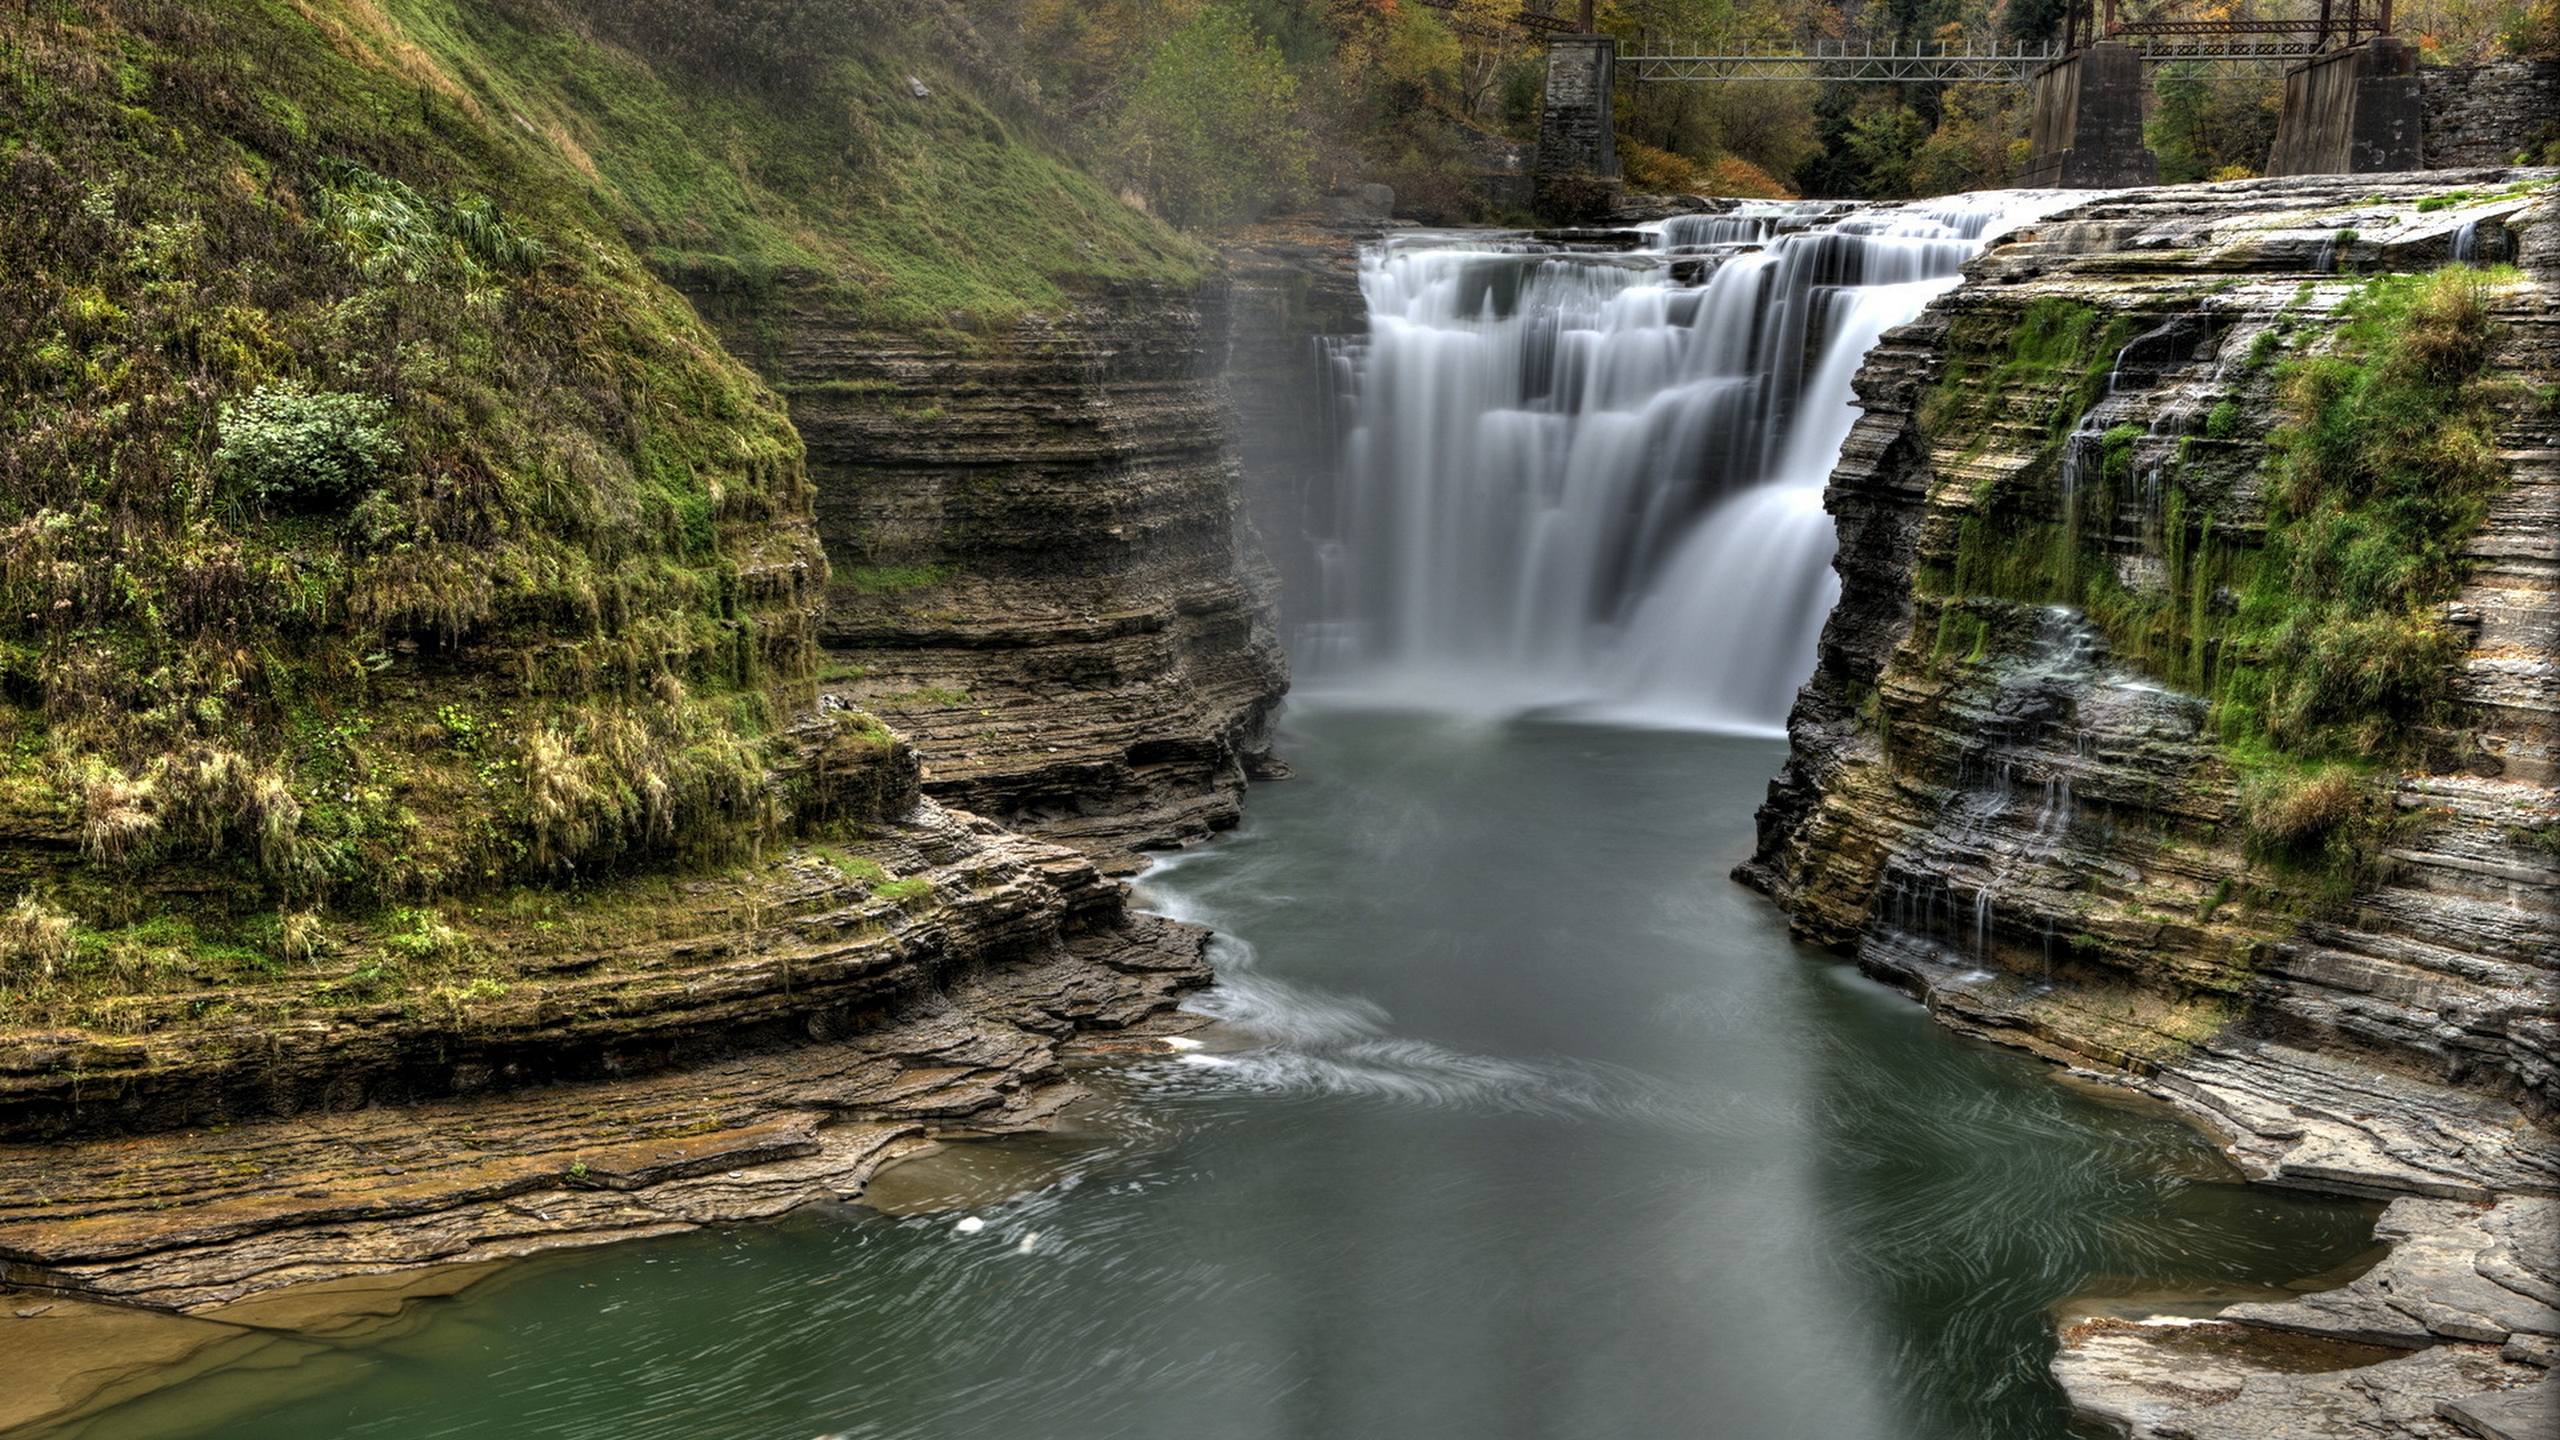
point(734, 157)
point(374, 525)
point(2328, 639)
point(2322, 643)
point(2054, 361)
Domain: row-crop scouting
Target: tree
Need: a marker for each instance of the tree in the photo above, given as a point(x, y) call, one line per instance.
point(1209, 133)
point(1978, 127)
point(1883, 141)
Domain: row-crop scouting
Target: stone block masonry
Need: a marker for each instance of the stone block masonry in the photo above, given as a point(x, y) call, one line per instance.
point(2087, 122)
point(1577, 132)
point(2355, 112)
point(2490, 114)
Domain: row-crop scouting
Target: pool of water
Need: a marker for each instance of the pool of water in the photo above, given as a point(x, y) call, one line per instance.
point(1525, 1121)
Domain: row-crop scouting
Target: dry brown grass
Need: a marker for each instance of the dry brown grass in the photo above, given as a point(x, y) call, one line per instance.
point(2299, 814)
point(36, 938)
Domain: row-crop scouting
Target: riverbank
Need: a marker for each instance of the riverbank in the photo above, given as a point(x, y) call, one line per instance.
point(323, 1225)
point(2453, 1334)
point(2036, 778)
point(1500, 1057)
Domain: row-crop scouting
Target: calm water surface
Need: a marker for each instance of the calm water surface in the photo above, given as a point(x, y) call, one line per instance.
point(1528, 1123)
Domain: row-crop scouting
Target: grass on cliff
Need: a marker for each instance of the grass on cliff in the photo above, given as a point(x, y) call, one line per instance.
point(373, 524)
point(914, 211)
point(2322, 641)
point(381, 535)
point(2328, 638)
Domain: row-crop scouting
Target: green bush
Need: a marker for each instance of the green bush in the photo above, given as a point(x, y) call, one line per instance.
point(1209, 132)
point(288, 444)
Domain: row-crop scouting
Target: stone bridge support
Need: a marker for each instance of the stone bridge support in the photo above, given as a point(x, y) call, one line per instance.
point(2086, 130)
point(1577, 164)
point(2352, 111)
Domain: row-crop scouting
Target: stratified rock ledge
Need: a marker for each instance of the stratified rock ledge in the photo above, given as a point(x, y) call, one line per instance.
point(756, 1073)
point(2044, 842)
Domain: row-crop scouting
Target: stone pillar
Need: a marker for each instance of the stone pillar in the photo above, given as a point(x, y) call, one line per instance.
point(2352, 112)
point(1577, 165)
point(2086, 131)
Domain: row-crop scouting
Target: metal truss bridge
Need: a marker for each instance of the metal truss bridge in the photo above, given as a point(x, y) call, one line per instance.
point(2159, 35)
point(1841, 60)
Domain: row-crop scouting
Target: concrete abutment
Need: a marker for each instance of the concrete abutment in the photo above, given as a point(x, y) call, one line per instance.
point(2086, 122)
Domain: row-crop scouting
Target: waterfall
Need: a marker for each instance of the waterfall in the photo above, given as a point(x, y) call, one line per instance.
point(1587, 472)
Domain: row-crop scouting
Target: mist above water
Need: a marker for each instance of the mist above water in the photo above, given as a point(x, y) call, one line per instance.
point(1589, 477)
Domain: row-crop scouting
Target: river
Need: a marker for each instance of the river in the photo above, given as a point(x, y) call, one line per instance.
point(1523, 1120)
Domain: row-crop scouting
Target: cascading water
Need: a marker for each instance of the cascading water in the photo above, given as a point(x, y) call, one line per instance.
point(1592, 478)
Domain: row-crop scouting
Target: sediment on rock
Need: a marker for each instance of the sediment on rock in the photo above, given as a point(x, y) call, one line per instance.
point(1988, 803)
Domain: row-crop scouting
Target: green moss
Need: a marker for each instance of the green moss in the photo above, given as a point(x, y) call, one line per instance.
point(913, 891)
point(2052, 362)
point(858, 868)
point(2328, 639)
point(1962, 635)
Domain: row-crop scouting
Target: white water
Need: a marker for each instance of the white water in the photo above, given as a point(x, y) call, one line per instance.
point(1586, 479)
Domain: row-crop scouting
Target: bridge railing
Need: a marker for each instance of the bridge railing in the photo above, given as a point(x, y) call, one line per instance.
point(1855, 60)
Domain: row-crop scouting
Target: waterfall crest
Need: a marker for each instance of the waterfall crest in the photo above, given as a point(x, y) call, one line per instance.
point(1589, 476)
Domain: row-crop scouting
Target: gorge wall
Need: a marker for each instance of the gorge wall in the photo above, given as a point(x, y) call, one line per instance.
point(1043, 569)
point(450, 699)
point(2042, 776)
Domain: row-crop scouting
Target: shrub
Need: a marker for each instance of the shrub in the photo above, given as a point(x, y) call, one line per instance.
point(1208, 132)
point(2533, 30)
point(425, 936)
point(36, 938)
point(2297, 816)
point(1659, 171)
point(118, 813)
point(288, 444)
point(2448, 333)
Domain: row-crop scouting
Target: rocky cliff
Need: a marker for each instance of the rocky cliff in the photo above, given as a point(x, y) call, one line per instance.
point(434, 824)
point(2148, 736)
point(1043, 568)
point(1296, 306)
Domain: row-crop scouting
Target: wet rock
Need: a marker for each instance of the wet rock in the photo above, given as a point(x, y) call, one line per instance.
point(289, 1203)
point(2046, 843)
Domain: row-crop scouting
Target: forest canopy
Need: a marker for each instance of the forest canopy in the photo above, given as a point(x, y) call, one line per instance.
point(1213, 110)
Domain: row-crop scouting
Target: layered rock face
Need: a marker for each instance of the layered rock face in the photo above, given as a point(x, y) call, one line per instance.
point(2049, 838)
point(1044, 572)
point(1296, 303)
point(774, 1036)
